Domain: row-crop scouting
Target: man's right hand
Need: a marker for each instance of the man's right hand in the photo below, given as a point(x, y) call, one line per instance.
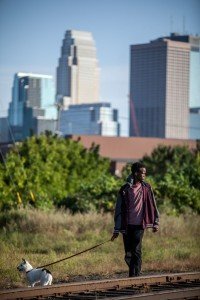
point(155, 228)
point(114, 236)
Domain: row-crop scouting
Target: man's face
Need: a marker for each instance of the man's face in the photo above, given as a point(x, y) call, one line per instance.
point(141, 174)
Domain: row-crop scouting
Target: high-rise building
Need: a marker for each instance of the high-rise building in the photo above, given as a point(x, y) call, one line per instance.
point(4, 130)
point(163, 85)
point(194, 75)
point(78, 71)
point(194, 132)
point(90, 119)
point(32, 106)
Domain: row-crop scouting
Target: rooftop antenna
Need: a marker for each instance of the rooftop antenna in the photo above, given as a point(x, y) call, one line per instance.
point(184, 24)
point(171, 24)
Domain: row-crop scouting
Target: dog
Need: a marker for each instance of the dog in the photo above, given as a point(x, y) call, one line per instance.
point(33, 275)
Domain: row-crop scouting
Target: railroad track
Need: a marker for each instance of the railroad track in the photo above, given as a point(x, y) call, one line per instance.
point(157, 287)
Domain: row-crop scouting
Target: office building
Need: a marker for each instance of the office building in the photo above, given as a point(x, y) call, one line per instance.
point(163, 85)
point(194, 132)
point(4, 130)
point(194, 75)
point(88, 119)
point(32, 106)
point(77, 71)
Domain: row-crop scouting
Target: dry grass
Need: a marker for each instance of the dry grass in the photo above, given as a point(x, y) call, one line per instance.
point(43, 237)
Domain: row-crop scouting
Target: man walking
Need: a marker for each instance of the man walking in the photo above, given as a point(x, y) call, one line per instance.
point(135, 211)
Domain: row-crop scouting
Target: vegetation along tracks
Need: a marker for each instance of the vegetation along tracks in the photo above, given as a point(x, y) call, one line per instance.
point(165, 286)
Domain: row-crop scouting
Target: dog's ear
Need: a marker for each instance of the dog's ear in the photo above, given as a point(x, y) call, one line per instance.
point(23, 260)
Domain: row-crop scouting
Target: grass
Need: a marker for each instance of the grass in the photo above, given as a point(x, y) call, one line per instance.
point(42, 237)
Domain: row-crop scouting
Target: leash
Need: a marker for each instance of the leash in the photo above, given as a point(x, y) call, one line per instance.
point(68, 257)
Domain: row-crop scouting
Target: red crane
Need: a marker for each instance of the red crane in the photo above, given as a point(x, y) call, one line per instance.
point(133, 117)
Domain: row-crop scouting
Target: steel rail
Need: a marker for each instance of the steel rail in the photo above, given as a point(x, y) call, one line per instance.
point(179, 291)
point(165, 295)
point(100, 285)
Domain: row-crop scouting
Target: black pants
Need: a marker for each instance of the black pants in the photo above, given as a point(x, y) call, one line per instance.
point(133, 249)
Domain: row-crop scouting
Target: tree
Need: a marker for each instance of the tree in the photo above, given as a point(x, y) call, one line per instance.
point(47, 171)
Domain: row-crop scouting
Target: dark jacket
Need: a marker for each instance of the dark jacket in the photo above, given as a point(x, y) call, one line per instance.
point(151, 214)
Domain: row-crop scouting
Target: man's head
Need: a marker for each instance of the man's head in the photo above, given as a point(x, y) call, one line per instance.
point(138, 171)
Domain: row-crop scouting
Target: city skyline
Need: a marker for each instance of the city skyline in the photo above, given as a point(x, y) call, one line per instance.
point(31, 33)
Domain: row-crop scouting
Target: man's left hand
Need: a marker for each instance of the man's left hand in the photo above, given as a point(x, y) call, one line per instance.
point(114, 236)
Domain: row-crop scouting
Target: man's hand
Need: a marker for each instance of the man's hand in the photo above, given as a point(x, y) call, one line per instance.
point(155, 229)
point(114, 236)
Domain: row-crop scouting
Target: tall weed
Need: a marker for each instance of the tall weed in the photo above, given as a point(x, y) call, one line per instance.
point(42, 237)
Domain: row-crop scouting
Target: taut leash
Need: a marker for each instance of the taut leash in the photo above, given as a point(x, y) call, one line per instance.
point(68, 257)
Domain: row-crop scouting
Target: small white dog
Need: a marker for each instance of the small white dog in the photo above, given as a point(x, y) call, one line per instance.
point(42, 276)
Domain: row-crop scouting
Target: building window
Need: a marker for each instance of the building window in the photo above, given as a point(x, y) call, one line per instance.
point(92, 114)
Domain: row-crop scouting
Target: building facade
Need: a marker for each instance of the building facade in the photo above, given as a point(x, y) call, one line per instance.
point(90, 119)
point(162, 86)
point(78, 71)
point(33, 98)
point(4, 130)
point(194, 132)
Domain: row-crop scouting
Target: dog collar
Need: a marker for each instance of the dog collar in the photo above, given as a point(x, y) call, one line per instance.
point(29, 271)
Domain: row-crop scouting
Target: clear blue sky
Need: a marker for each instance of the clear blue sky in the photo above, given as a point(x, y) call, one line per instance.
point(31, 33)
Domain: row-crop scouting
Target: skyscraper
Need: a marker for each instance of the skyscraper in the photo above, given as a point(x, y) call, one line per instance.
point(194, 75)
point(161, 87)
point(78, 71)
point(194, 132)
point(4, 130)
point(32, 107)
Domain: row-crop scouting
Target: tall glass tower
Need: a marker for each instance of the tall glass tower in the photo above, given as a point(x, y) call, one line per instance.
point(32, 106)
point(78, 71)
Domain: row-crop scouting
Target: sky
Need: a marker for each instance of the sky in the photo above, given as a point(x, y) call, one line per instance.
point(31, 34)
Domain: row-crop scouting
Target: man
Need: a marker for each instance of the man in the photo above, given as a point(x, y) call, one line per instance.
point(135, 211)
